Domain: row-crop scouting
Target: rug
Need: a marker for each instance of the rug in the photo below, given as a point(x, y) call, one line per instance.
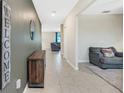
point(112, 76)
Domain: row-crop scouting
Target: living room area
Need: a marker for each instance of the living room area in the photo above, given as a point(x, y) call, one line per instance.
point(100, 41)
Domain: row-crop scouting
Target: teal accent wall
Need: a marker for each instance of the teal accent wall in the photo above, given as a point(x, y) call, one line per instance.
point(22, 11)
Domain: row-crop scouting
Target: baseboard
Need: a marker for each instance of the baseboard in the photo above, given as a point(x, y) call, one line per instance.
point(62, 54)
point(25, 89)
point(83, 61)
point(74, 67)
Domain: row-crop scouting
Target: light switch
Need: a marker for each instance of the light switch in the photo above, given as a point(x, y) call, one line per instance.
point(18, 84)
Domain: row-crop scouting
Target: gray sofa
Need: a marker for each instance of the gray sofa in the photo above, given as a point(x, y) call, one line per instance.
point(55, 46)
point(96, 57)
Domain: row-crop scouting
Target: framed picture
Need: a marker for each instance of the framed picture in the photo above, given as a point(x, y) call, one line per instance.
point(5, 38)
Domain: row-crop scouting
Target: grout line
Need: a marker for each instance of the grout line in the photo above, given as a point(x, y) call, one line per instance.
point(59, 82)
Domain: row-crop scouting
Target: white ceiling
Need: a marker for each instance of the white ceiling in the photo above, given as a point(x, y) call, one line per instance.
point(114, 6)
point(44, 9)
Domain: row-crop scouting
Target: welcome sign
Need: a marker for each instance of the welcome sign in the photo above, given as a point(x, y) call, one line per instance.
point(5, 30)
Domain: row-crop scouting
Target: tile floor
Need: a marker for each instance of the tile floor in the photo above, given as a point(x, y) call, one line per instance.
point(60, 77)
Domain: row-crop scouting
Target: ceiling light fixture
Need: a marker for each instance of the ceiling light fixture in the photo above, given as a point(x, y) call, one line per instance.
point(108, 11)
point(53, 13)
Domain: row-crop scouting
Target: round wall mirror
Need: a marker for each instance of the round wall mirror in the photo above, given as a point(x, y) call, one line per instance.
point(32, 29)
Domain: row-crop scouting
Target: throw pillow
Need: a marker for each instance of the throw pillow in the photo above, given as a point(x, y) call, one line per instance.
point(119, 54)
point(107, 52)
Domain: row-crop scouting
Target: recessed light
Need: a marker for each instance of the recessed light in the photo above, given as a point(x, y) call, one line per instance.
point(53, 13)
point(108, 11)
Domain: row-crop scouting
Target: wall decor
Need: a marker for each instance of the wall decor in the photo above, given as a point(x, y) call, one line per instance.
point(32, 29)
point(5, 50)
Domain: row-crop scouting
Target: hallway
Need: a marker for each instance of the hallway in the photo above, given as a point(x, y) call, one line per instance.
point(60, 77)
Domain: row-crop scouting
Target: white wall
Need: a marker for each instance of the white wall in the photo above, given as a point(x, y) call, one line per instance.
point(70, 42)
point(62, 39)
point(47, 38)
point(99, 30)
point(70, 33)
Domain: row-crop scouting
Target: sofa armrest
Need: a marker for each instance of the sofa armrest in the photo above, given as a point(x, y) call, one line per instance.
point(119, 54)
point(94, 57)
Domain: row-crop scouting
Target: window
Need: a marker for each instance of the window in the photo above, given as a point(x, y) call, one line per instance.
point(58, 37)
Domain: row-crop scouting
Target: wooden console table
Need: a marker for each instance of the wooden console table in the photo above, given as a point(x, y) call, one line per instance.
point(36, 68)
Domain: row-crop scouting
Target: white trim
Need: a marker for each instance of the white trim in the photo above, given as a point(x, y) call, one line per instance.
point(74, 67)
point(25, 89)
point(83, 61)
point(62, 53)
point(76, 42)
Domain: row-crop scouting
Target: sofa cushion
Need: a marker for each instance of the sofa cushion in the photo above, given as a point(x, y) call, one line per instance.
point(112, 60)
point(119, 54)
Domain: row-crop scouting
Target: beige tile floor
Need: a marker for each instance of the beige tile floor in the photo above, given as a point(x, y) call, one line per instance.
point(60, 77)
